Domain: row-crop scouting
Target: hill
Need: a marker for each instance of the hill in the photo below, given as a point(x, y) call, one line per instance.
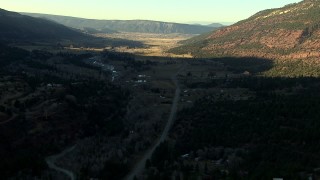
point(96, 31)
point(216, 25)
point(16, 27)
point(142, 26)
point(290, 32)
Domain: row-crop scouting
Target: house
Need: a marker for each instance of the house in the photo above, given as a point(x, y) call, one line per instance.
point(185, 156)
point(141, 76)
point(246, 73)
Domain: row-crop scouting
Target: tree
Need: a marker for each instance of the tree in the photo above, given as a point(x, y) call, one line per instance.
point(197, 168)
point(17, 104)
point(177, 177)
point(206, 168)
point(211, 75)
point(148, 164)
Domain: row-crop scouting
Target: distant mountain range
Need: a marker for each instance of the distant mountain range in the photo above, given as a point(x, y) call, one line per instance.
point(216, 25)
point(17, 28)
point(291, 32)
point(142, 26)
point(14, 27)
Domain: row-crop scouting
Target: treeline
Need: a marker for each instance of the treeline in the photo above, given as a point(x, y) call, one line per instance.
point(129, 60)
point(261, 84)
point(105, 105)
point(57, 108)
point(294, 68)
point(78, 60)
point(278, 127)
point(11, 54)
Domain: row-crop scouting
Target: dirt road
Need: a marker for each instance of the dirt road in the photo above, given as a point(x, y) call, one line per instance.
point(52, 159)
point(141, 164)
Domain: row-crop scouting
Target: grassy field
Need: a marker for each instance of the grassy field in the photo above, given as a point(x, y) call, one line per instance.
point(156, 44)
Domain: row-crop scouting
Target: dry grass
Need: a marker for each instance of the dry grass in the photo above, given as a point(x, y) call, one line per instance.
point(156, 44)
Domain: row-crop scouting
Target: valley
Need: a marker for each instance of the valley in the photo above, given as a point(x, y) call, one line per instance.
point(151, 100)
point(132, 123)
point(155, 44)
point(137, 26)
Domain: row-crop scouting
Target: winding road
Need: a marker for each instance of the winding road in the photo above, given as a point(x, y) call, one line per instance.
point(139, 167)
point(10, 119)
point(52, 159)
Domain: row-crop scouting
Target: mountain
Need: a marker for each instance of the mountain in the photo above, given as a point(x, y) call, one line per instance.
point(216, 25)
point(142, 26)
point(95, 31)
point(290, 32)
point(16, 27)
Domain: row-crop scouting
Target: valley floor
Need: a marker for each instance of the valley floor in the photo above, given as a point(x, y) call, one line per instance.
point(156, 44)
point(233, 115)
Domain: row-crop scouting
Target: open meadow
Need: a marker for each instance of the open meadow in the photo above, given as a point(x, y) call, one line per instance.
point(155, 44)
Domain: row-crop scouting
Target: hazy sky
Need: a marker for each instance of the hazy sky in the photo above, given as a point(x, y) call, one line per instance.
point(162, 10)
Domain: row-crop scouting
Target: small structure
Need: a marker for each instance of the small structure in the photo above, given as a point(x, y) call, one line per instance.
point(246, 73)
point(141, 75)
point(185, 156)
point(141, 81)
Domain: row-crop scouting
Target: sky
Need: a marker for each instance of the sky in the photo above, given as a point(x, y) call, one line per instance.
point(182, 11)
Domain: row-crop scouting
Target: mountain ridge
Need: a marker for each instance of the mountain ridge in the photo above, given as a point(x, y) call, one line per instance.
point(143, 26)
point(15, 26)
point(215, 25)
point(290, 32)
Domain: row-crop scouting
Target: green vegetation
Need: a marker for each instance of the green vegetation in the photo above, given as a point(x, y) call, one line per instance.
point(251, 46)
point(162, 159)
point(290, 25)
point(240, 65)
point(311, 14)
point(52, 107)
point(294, 68)
point(270, 131)
point(278, 130)
point(254, 35)
point(10, 54)
point(17, 28)
point(195, 40)
point(114, 170)
point(240, 118)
